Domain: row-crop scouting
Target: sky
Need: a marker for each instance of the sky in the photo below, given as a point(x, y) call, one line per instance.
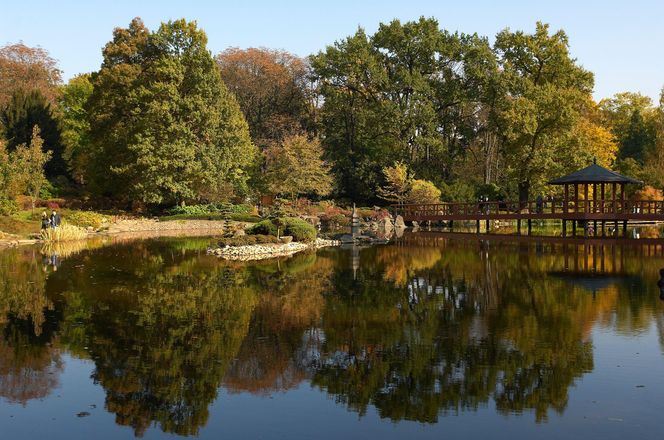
point(622, 42)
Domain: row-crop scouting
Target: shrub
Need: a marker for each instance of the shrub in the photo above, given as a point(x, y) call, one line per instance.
point(300, 230)
point(423, 191)
point(223, 209)
point(63, 232)
point(244, 240)
point(87, 219)
point(7, 207)
point(264, 227)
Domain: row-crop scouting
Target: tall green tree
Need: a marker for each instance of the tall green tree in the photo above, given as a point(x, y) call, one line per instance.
point(544, 92)
point(164, 129)
point(25, 111)
point(75, 124)
point(409, 92)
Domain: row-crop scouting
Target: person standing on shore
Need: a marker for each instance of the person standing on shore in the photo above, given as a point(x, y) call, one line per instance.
point(45, 221)
point(55, 219)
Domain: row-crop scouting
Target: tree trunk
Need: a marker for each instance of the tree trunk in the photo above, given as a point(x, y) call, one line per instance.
point(524, 193)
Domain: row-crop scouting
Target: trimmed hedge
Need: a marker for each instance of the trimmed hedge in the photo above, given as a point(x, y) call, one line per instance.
point(244, 240)
point(299, 229)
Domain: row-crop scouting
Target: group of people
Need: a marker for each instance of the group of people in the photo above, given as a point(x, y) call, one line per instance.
point(50, 222)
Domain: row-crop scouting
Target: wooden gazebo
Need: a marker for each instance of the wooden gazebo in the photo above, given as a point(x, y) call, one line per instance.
point(607, 202)
point(599, 179)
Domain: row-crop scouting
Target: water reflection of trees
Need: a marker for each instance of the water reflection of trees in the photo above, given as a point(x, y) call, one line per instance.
point(161, 335)
point(473, 325)
point(419, 329)
point(30, 360)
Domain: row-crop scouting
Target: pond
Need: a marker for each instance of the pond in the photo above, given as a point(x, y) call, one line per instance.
point(431, 336)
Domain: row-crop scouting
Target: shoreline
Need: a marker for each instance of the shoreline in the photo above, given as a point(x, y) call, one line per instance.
point(255, 252)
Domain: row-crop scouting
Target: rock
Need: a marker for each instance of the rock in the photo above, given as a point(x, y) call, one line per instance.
point(399, 223)
point(286, 239)
point(385, 224)
point(346, 238)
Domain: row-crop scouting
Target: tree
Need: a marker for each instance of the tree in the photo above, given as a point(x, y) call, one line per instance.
point(295, 167)
point(410, 92)
point(30, 161)
point(28, 68)
point(544, 94)
point(274, 90)
point(423, 191)
point(163, 127)
point(19, 117)
point(638, 139)
point(398, 183)
point(75, 125)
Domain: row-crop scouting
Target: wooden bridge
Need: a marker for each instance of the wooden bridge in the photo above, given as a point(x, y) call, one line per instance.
point(592, 196)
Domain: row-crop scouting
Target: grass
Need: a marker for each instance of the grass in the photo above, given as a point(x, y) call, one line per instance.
point(18, 225)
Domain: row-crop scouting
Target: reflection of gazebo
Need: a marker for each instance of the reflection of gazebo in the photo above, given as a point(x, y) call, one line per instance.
point(596, 177)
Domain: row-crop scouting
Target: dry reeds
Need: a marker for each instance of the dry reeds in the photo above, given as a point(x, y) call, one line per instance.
point(64, 232)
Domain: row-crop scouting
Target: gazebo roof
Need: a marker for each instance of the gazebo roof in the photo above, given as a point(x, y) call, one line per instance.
point(594, 174)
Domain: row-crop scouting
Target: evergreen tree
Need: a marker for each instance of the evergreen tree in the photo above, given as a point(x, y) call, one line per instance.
point(25, 111)
point(638, 138)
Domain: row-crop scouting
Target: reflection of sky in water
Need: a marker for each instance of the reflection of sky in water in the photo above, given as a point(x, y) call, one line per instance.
point(300, 349)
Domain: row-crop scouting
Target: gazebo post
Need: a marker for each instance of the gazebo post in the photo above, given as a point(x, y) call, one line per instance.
point(576, 197)
point(595, 197)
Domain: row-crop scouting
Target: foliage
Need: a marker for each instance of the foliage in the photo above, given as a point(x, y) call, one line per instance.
point(273, 88)
point(26, 110)
point(423, 191)
point(87, 219)
point(28, 68)
point(299, 229)
point(64, 232)
point(187, 139)
point(544, 93)
point(75, 125)
point(408, 92)
point(649, 193)
point(263, 227)
point(295, 167)
point(210, 208)
point(22, 172)
point(244, 240)
point(29, 163)
point(398, 183)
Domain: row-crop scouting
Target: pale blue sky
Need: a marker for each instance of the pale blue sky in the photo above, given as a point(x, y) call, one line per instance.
point(621, 42)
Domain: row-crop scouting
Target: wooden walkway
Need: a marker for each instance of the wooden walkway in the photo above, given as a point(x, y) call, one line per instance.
point(586, 211)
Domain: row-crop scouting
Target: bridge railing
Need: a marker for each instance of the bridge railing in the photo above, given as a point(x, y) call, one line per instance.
point(555, 206)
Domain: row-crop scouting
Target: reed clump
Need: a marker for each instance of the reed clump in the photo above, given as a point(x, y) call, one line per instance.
point(64, 232)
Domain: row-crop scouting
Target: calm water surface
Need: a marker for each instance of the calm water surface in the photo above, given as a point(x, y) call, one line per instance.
point(429, 337)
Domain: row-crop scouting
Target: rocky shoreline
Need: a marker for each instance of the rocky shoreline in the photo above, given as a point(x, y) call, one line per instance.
point(265, 251)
